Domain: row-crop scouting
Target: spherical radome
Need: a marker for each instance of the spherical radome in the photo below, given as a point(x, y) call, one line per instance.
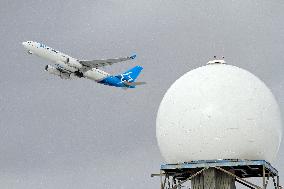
point(218, 112)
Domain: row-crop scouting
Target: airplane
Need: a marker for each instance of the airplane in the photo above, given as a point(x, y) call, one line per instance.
point(68, 67)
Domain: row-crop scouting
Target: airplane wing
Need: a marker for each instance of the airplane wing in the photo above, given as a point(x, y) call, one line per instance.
point(100, 63)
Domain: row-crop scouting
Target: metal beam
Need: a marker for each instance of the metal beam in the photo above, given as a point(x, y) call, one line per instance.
point(239, 178)
point(189, 178)
point(245, 184)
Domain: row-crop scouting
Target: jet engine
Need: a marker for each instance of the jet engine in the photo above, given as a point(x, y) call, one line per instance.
point(55, 71)
point(66, 66)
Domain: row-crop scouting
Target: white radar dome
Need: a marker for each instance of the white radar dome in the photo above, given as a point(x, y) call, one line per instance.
point(218, 111)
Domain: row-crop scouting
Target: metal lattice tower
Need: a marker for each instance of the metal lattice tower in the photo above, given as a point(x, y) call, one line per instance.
point(218, 174)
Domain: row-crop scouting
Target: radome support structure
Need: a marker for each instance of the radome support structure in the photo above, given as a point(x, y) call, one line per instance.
point(217, 174)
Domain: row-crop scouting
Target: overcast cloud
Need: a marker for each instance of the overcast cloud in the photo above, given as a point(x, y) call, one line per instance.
point(78, 134)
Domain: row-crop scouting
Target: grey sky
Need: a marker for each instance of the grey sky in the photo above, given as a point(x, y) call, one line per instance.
point(77, 134)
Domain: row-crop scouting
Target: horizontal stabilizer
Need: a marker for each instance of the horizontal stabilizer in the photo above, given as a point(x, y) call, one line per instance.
point(134, 83)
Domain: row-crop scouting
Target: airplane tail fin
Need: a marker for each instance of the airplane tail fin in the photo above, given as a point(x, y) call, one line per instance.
point(130, 75)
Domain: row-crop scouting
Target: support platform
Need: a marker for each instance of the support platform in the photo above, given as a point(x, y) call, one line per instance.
point(174, 176)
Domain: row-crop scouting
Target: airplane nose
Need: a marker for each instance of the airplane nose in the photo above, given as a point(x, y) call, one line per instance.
point(25, 44)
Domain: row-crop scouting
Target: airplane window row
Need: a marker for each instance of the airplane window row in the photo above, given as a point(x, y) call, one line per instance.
point(44, 46)
point(54, 51)
point(101, 72)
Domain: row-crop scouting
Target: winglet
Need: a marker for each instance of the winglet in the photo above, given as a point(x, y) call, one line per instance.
point(133, 56)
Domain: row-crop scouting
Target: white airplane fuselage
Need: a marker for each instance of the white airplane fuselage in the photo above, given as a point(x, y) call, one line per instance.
point(66, 62)
point(67, 66)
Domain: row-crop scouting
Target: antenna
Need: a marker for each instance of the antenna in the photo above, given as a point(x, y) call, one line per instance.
point(216, 61)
